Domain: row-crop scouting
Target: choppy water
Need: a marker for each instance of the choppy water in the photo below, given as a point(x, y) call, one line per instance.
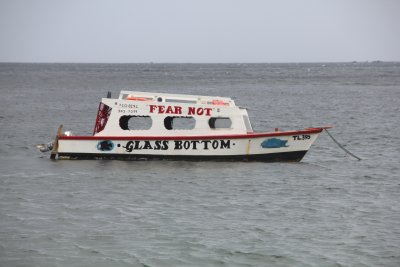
point(328, 210)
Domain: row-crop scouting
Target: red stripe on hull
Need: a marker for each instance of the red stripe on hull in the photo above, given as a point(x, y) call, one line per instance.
point(197, 137)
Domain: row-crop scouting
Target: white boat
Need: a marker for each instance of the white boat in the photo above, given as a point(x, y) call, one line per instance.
point(142, 125)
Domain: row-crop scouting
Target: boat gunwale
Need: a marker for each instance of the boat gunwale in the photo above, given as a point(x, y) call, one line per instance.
point(198, 137)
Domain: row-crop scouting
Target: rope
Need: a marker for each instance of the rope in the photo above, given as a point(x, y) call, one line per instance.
point(345, 150)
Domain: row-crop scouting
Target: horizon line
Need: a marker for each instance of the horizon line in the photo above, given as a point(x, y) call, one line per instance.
point(152, 62)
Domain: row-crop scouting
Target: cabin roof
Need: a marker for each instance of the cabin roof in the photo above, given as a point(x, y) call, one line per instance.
point(176, 98)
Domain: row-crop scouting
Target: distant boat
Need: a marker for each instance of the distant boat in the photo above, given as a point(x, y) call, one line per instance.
point(142, 125)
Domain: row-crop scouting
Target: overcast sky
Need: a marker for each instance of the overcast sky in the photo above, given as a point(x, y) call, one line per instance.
point(130, 31)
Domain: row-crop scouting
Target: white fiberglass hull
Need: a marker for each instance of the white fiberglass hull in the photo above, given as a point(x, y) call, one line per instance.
point(274, 146)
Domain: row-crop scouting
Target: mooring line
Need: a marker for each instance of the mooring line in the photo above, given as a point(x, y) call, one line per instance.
point(345, 150)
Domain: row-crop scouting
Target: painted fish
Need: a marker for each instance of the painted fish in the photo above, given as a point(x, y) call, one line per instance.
point(274, 143)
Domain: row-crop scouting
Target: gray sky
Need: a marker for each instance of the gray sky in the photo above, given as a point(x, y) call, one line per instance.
point(199, 30)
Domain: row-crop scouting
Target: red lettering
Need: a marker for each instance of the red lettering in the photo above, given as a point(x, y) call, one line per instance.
point(191, 111)
point(198, 111)
point(161, 109)
point(169, 110)
point(152, 108)
point(178, 110)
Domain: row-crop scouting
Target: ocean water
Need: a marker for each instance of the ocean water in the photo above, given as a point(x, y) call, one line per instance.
point(328, 210)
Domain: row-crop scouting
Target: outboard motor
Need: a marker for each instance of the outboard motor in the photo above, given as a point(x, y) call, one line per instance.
point(45, 147)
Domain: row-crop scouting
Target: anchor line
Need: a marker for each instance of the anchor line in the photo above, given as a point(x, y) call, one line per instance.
point(344, 149)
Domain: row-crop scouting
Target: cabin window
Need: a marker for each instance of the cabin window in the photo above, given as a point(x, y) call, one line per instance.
point(135, 122)
point(179, 123)
point(219, 123)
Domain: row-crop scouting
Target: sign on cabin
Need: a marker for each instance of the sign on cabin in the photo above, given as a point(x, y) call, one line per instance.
point(161, 109)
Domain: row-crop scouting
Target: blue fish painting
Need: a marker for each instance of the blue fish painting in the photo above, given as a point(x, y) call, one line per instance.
point(274, 143)
point(106, 145)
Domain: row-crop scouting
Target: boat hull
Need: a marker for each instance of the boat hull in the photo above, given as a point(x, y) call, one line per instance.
point(266, 147)
point(294, 156)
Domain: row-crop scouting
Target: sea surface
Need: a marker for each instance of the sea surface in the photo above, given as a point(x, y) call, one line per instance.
point(328, 210)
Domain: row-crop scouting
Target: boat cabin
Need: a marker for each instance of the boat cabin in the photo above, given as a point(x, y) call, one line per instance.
point(158, 114)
